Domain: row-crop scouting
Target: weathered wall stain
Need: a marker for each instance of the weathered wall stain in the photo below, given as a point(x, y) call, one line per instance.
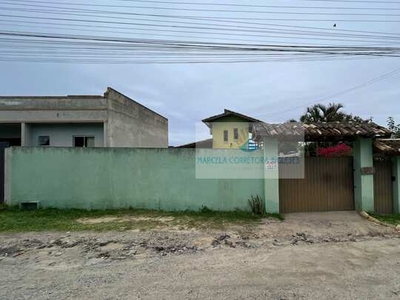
point(107, 178)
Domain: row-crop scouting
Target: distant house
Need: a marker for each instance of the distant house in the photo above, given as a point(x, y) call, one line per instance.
point(229, 130)
point(109, 120)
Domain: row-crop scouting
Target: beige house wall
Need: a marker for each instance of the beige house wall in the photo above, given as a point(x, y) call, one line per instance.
point(229, 124)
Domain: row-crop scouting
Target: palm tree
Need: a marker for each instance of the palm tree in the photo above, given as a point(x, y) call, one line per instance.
point(324, 113)
point(319, 113)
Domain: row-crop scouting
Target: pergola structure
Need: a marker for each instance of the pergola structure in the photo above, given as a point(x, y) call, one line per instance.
point(366, 137)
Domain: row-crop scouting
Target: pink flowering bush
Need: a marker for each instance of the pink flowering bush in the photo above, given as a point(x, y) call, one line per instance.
point(338, 150)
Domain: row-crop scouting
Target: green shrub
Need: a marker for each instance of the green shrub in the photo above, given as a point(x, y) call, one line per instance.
point(257, 205)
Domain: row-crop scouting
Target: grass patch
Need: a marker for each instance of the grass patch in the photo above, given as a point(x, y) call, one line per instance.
point(391, 219)
point(15, 220)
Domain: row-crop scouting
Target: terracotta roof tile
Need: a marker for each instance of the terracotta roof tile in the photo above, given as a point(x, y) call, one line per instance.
point(388, 146)
point(316, 131)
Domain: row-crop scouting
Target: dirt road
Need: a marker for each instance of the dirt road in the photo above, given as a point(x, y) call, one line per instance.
point(318, 256)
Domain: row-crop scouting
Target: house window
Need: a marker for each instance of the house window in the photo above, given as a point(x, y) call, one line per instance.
point(83, 141)
point(44, 141)
point(225, 135)
point(235, 134)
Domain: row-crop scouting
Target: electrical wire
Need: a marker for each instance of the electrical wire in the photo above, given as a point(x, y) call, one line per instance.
point(218, 30)
point(219, 20)
point(13, 3)
point(340, 93)
point(240, 18)
point(189, 41)
point(205, 4)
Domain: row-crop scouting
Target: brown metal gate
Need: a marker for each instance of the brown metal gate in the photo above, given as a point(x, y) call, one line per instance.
point(327, 186)
point(383, 191)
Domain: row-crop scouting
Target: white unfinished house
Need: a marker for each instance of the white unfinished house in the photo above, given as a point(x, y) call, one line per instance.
point(109, 120)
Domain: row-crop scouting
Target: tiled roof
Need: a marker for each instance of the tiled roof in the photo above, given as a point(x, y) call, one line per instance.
point(318, 131)
point(388, 146)
point(227, 113)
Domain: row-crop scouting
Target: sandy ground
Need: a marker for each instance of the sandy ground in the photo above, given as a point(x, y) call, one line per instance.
point(308, 256)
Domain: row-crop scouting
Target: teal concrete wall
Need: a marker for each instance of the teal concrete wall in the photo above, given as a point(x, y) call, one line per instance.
point(363, 184)
point(271, 181)
point(106, 178)
point(396, 184)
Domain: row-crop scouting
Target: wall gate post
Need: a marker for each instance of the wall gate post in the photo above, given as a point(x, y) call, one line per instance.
point(271, 175)
point(363, 175)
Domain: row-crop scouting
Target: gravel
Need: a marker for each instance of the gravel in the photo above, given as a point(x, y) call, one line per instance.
point(302, 258)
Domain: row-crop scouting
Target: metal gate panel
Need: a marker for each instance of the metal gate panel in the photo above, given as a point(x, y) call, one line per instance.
point(383, 189)
point(327, 186)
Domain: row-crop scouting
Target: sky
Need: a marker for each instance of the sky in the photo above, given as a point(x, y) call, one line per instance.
point(273, 91)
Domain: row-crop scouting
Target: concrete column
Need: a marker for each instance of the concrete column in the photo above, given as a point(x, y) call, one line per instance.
point(271, 175)
point(23, 135)
point(396, 184)
point(363, 175)
point(26, 135)
point(105, 135)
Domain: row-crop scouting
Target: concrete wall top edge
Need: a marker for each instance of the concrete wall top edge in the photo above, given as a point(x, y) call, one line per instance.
point(53, 103)
point(116, 96)
point(124, 149)
point(53, 97)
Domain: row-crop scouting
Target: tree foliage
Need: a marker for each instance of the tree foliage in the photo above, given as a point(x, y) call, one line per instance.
point(321, 113)
point(393, 127)
point(329, 113)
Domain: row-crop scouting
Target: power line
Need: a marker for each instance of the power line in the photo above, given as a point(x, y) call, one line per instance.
point(99, 47)
point(298, 26)
point(209, 4)
point(227, 19)
point(139, 31)
point(174, 45)
point(154, 60)
point(274, 33)
point(353, 88)
point(112, 39)
point(327, 31)
point(193, 27)
point(311, 20)
point(224, 20)
point(147, 32)
point(213, 10)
